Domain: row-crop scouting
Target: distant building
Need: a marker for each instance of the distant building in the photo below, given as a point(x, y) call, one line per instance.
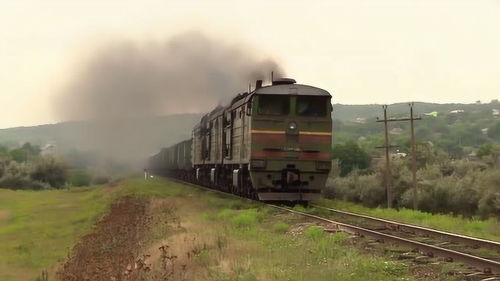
point(48, 149)
point(398, 155)
point(484, 131)
point(396, 131)
point(495, 112)
point(360, 120)
point(471, 156)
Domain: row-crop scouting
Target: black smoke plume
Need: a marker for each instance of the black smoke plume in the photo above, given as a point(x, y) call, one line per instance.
point(123, 86)
point(187, 73)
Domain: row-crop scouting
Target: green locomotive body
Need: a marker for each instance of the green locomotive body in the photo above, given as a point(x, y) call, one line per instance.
point(272, 144)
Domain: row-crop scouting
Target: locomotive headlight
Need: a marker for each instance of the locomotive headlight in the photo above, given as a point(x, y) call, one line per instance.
point(292, 125)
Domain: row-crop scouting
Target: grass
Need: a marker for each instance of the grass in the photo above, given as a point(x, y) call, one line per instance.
point(312, 255)
point(229, 239)
point(259, 245)
point(40, 226)
point(487, 229)
point(37, 228)
point(281, 227)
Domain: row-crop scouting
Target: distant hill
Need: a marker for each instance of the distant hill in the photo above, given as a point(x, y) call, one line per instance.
point(458, 129)
point(351, 112)
point(133, 139)
point(118, 139)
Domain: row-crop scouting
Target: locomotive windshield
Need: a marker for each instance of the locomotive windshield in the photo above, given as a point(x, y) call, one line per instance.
point(315, 106)
point(273, 105)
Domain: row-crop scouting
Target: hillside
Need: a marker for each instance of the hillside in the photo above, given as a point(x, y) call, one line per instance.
point(458, 129)
point(132, 139)
point(129, 140)
point(346, 112)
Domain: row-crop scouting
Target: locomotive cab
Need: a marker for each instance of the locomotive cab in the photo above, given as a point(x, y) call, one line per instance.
point(291, 133)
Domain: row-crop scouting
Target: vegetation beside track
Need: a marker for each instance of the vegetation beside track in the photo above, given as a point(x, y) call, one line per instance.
point(486, 229)
point(215, 237)
point(38, 227)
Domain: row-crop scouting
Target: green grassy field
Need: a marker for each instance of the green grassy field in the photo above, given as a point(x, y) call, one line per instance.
point(37, 228)
point(227, 238)
point(487, 229)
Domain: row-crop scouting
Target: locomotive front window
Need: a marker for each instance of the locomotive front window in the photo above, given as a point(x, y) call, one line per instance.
point(273, 105)
point(311, 106)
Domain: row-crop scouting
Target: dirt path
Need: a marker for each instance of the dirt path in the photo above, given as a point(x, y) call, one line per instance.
point(112, 246)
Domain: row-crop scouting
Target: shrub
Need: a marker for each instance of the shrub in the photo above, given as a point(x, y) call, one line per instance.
point(100, 180)
point(16, 182)
point(50, 171)
point(16, 176)
point(372, 192)
point(79, 178)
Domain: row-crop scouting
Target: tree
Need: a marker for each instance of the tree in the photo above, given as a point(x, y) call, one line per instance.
point(350, 156)
point(484, 150)
point(18, 155)
point(494, 131)
point(25, 153)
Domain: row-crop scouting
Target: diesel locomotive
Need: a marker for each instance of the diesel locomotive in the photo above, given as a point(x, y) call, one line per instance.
point(270, 144)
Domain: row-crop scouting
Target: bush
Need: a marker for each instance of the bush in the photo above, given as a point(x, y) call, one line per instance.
point(100, 180)
point(20, 182)
point(79, 178)
point(16, 176)
point(50, 171)
point(372, 192)
point(460, 187)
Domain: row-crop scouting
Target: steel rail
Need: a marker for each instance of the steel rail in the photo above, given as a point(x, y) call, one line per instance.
point(487, 266)
point(448, 236)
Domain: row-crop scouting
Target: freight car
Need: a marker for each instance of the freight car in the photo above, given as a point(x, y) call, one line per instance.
point(271, 144)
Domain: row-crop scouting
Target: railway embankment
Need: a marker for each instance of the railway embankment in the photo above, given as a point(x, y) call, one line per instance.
point(161, 230)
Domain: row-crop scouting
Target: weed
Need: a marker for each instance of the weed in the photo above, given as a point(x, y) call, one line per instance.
point(226, 214)
point(245, 218)
point(220, 242)
point(314, 233)
point(281, 227)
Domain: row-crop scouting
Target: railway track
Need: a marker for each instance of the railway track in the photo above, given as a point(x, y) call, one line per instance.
point(485, 265)
point(472, 242)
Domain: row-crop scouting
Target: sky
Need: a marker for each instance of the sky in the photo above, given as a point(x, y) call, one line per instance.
point(361, 51)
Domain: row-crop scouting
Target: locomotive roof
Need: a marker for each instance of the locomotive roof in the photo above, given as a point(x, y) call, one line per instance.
point(280, 89)
point(292, 89)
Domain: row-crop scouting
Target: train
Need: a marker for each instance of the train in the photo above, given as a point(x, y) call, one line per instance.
point(269, 144)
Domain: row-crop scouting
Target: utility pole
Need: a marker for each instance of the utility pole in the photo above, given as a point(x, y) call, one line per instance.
point(388, 174)
point(414, 158)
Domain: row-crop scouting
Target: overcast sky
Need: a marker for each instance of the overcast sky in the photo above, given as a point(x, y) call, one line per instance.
point(370, 51)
